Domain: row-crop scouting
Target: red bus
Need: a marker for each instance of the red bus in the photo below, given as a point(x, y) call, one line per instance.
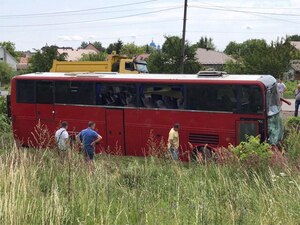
point(213, 109)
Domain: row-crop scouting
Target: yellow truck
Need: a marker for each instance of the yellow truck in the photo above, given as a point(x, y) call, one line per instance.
point(114, 63)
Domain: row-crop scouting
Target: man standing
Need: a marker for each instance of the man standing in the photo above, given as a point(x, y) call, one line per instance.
point(297, 99)
point(173, 142)
point(61, 136)
point(281, 87)
point(89, 137)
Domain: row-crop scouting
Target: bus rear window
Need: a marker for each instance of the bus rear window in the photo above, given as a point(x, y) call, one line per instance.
point(25, 91)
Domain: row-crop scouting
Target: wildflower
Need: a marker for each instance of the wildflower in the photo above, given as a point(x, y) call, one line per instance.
point(273, 175)
point(282, 174)
point(273, 180)
point(291, 182)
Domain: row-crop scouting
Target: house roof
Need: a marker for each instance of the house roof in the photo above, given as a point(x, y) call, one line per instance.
point(296, 44)
point(75, 55)
point(210, 57)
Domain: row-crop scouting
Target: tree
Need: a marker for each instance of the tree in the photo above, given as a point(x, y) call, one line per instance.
point(83, 45)
point(115, 47)
point(6, 72)
point(205, 42)
point(42, 60)
point(94, 57)
point(168, 59)
point(131, 50)
point(98, 45)
point(257, 57)
point(294, 37)
point(10, 47)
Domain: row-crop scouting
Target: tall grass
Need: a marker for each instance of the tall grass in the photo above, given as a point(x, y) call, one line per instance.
point(39, 187)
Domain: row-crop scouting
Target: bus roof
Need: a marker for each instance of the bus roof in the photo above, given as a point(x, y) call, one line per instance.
point(267, 80)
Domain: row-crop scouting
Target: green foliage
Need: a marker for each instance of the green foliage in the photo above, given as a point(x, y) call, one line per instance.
point(11, 48)
point(234, 67)
point(290, 89)
point(293, 123)
point(253, 151)
point(6, 73)
point(206, 43)
point(258, 57)
point(132, 50)
point(42, 60)
point(294, 37)
point(115, 47)
point(94, 57)
point(5, 126)
point(168, 60)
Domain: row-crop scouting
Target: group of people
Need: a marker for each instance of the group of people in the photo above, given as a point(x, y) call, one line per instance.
point(89, 137)
point(282, 88)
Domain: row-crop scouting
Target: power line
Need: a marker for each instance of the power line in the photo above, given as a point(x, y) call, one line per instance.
point(219, 8)
point(74, 11)
point(91, 21)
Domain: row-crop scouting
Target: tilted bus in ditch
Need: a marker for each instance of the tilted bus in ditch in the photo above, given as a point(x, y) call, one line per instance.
point(213, 109)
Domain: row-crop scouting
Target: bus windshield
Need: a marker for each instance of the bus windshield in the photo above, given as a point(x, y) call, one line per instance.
point(275, 129)
point(141, 67)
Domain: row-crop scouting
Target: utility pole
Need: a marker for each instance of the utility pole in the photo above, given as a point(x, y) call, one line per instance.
point(183, 37)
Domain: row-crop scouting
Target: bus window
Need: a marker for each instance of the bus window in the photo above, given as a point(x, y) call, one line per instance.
point(123, 95)
point(25, 91)
point(80, 93)
point(251, 100)
point(212, 98)
point(162, 96)
point(44, 92)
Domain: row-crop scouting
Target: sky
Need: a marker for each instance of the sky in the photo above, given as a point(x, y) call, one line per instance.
point(32, 24)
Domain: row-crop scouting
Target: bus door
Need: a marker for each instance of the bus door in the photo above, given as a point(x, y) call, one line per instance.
point(45, 102)
point(246, 127)
point(115, 131)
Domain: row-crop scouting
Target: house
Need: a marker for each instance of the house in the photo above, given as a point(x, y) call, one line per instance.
point(294, 71)
point(6, 57)
point(212, 59)
point(75, 55)
point(24, 60)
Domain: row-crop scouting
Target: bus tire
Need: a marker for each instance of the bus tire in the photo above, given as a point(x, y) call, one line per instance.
point(202, 154)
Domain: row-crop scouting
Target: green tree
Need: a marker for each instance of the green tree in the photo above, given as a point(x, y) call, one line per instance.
point(42, 60)
point(257, 57)
point(132, 50)
point(294, 37)
point(94, 57)
point(83, 45)
point(98, 45)
point(11, 48)
point(205, 42)
point(117, 46)
point(169, 58)
point(6, 72)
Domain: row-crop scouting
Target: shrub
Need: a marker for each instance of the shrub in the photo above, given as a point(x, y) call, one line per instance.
point(253, 152)
point(293, 123)
point(4, 121)
point(6, 72)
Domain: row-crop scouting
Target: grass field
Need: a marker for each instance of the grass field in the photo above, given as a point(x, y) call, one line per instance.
point(39, 187)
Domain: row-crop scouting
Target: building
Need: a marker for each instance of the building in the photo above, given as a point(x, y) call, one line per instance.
point(76, 55)
point(6, 57)
point(24, 60)
point(212, 59)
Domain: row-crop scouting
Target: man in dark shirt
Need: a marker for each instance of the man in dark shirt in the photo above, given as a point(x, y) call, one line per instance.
point(89, 137)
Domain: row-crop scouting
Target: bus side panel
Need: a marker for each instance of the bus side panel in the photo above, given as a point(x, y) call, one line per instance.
point(78, 118)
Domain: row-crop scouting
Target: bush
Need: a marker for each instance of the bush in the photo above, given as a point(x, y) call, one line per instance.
point(6, 72)
point(293, 122)
point(290, 88)
point(4, 121)
point(253, 152)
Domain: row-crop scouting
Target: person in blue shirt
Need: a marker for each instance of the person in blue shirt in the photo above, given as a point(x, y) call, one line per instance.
point(89, 137)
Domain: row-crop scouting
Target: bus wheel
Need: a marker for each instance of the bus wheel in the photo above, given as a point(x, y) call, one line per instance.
point(202, 154)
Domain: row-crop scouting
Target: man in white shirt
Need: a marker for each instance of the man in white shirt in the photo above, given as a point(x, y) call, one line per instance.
point(281, 87)
point(61, 136)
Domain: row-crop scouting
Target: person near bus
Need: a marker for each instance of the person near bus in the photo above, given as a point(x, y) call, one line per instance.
point(62, 136)
point(89, 137)
point(281, 87)
point(173, 142)
point(297, 99)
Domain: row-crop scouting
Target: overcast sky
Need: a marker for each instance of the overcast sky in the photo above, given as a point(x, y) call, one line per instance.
point(33, 23)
